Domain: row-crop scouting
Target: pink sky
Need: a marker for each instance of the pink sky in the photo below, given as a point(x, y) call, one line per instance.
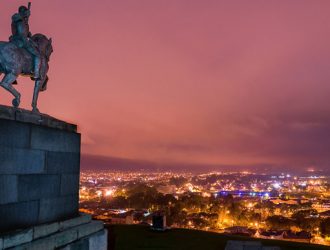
point(225, 82)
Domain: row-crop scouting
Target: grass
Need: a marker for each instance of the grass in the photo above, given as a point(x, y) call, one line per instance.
point(124, 237)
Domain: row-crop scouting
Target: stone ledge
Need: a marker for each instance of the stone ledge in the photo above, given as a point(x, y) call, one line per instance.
point(26, 116)
point(96, 241)
point(46, 229)
point(18, 238)
point(90, 228)
point(83, 219)
point(54, 235)
point(99, 240)
point(65, 237)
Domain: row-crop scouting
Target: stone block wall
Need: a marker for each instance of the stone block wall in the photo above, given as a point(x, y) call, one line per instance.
point(39, 169)
point(78, 233)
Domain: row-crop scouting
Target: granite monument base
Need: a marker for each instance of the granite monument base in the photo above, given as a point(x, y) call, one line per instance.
point(39, 169)
point(39, 179)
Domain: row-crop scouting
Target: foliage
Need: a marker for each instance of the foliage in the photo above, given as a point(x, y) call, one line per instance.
point(325, 227)
point(178, 181)
point(279, 222)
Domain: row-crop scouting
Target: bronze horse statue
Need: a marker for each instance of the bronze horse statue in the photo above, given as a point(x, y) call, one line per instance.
point(15, 61)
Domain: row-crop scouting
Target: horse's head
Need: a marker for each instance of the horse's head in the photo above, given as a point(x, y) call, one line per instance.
point(44, 45)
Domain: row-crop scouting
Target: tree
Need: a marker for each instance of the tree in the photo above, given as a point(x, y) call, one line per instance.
point(325, 227)
point(278, 222)
point(178, 181)
point(302, 214)
point(305, 221)
point(309, 224)
point(118, 202)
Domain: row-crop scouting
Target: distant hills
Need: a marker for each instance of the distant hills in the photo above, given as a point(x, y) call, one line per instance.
point(95, 162)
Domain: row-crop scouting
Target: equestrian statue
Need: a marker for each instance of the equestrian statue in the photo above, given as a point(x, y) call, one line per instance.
point(25, 54)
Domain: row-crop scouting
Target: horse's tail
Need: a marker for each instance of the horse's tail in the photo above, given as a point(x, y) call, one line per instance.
point(2, 61)
point(1, 58)
point(44, 84)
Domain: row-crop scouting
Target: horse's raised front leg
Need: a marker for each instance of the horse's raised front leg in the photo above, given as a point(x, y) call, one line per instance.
point(6, 83)
point(37, 86)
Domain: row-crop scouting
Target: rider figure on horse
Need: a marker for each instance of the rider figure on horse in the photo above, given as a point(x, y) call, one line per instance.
point(21, 37)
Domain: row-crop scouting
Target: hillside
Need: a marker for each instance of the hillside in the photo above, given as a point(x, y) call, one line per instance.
point(124, 237)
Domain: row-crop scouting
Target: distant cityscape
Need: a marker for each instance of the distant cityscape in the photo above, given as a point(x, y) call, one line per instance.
point(284, 206)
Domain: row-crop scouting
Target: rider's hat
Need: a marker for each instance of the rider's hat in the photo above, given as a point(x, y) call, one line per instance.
point(23, 9)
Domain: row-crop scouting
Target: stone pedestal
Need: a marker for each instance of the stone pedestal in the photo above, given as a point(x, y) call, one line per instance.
point(39, 170)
